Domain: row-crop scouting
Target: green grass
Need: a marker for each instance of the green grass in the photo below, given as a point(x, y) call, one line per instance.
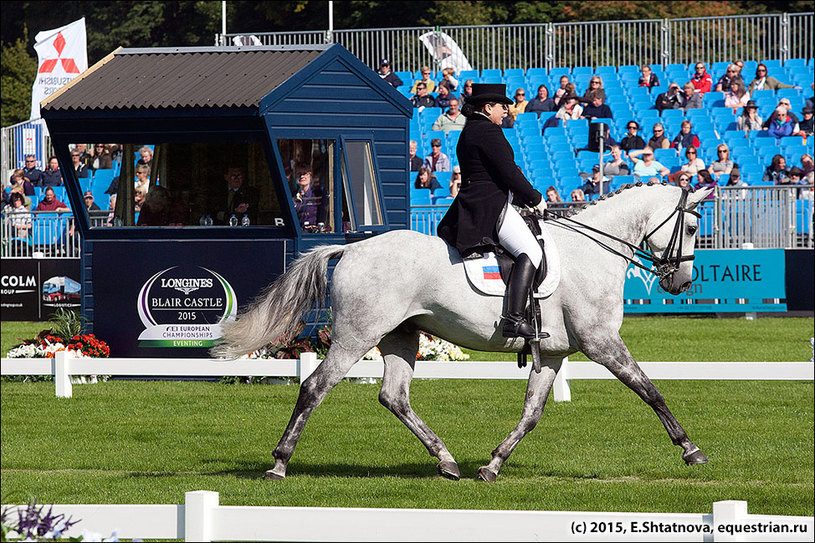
point(149, 442)
point(14, 332)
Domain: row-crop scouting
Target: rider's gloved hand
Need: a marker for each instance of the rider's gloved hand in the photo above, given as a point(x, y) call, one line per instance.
point(540, 208)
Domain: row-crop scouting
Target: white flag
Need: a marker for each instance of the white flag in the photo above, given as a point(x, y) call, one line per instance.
point(62, 55)
point(445, 50)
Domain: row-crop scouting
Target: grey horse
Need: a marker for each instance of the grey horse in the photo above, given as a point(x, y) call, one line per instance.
point(387, 288)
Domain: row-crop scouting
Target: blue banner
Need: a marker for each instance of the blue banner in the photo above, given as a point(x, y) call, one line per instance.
point(724, 281)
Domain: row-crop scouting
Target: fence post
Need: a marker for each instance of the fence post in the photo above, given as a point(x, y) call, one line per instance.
point(728, 512)
point(61, 370)
point(306, 365)
point(666, 42)
point(199, 507)
point(560, 387)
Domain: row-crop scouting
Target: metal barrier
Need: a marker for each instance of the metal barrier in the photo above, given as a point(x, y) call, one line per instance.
point(599, 43)
point(39, 234)
point(26, 138)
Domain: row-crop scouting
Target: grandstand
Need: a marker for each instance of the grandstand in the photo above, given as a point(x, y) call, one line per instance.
point(551, 158)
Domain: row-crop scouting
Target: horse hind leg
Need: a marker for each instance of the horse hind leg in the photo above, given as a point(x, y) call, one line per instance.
point(399, 351)
point(618, 360)
point(313, 391)
point(537, 390)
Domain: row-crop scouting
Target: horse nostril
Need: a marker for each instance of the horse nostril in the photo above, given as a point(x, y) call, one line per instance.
point(685, 287)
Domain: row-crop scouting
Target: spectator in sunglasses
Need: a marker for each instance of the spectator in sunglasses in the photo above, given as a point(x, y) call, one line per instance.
point(632, 141)
point(731, 74)
point(763, 81)
point(429, 84)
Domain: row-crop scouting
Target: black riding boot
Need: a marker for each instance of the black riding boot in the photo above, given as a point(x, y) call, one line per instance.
point(523, 273)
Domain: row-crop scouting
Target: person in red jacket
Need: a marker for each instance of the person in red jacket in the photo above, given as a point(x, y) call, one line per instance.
point(701, 80)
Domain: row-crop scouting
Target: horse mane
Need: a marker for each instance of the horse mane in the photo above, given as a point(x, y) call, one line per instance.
point(579, 209)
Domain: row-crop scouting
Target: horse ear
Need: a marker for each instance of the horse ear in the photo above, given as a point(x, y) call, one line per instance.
point(697, 196)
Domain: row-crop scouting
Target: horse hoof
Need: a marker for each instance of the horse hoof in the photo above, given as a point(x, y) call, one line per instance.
point(270, 474)
point(695, 457)
point(486, 474)
point(449, 470)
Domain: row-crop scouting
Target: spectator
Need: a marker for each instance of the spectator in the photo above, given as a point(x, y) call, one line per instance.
point(783, 125)
point(561, 92)
point(735, 179)
point(553, 196)
point(776, 171)
point(670, 99)
point(429, 84)
point(658, 140)
point(81, 170)
point(723, 165)
point(455, 181)
point(234, 197)
point(143, 177)
point(50, 202)
point(307, 199)
point(616, 166)
point(18, 219)
point(693, 99)
point(806, 126)
point(386, 73)
point(138, 200)
point(444, 97)
point(595, 185)
point(595, 86)
point(426, 180)
point(16, 189)
point(796, 176)
point(648, 78)
point(570, 109)
point(596, 109)
point(112, 206)
point(52, 176)
point(730, 75)
point(467, 92)
point(155, 208)
point(577, 195)
point(785, 103)
point(763, 81)
point(737, 96)
point(631, 141)
point(705, 181)
point(811, 100)
point(808, 168)
point(421, 99)
point(452, 119)
point(740, 66)
point(685, 138)
point(701, 80)
point(84, 157)
point(749, 119)
point(146, 156)
point(31, 172)
point(682, 180)
point(415, 161)
point(436, 161)
point(102, 159)
point(541, 103)
point(448, 76)
point(18, 177)
point(520, 105)
point(647, 166)
point(90, 205)
point(694, 164)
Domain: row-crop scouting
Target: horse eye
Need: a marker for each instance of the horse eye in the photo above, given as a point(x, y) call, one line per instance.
point(692, 229)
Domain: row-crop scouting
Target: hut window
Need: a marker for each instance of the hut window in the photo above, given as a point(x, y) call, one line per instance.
point(360, 186)
point(309, 168)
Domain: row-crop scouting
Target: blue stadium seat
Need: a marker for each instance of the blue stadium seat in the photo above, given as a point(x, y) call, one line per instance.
point(464, 75)
point(772, 65)
point(717, 69)
point(672, 115)
point(420, 197)
point(536, 72)
point(557, 72)
point(606, 71)
point(513, 72)
point(491, 72)
point(582, 70)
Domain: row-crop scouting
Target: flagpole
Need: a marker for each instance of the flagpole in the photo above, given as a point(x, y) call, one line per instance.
point(329, 35)
point(223, 23)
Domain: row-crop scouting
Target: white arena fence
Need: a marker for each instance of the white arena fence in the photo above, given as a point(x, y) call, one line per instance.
point(202, 518)
point(65, 365)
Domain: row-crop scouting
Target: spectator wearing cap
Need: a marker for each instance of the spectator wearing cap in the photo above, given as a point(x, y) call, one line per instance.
point(436, 161)
point(701, 80)
point(386, 73)
point(670, 99)
point(428, 83)
point(421, 99)
point(90, 205)
point(596, 185)
point(806, 126)
point(452, 119)
point(749, 119)
point(763, 81)
point(632, 141)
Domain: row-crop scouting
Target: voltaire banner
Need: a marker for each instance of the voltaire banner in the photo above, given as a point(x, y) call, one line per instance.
point(62, 55)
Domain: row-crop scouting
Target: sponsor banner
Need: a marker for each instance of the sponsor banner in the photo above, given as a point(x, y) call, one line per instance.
point(724, 281)
point(32, 289)
point(171, 298)
point(62, 55)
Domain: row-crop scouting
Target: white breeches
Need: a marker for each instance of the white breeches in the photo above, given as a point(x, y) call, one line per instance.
point(514, 236)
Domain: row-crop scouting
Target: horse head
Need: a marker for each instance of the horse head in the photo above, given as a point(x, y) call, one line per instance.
point(672, 236)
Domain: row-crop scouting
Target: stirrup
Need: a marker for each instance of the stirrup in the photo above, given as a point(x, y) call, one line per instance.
point(516, 326)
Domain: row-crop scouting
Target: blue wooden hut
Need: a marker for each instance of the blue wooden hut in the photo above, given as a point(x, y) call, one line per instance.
point(231, 161)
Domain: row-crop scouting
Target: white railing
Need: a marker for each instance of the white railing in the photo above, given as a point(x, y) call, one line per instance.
point(64, 365)
point(202, 518)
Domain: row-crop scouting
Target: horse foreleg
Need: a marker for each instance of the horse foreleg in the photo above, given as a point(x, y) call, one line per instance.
point(399, 350)
point(626, 369)
point(537, 390)
point(313, 391)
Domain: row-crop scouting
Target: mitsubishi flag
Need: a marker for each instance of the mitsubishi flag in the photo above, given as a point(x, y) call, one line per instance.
point(62, 55)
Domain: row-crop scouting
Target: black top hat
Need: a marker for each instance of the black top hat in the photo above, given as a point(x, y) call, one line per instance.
point(485, 93)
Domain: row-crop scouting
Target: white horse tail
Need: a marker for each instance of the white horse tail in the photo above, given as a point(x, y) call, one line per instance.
point(276, 312)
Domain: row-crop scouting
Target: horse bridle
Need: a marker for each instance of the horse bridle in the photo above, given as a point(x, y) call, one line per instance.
point(665, 265)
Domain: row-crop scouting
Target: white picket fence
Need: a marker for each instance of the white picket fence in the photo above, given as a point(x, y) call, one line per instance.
point(202, 518)
point(64, 365)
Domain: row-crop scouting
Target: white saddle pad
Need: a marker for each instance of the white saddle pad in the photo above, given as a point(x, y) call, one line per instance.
point(485, 276)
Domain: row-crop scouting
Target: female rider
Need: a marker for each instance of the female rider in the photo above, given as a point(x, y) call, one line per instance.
point(482, 217)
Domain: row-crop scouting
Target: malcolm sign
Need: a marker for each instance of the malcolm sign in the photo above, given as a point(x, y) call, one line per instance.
point(723, 281)
point(171, 299)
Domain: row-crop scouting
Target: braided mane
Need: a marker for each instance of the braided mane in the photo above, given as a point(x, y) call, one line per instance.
point(583, 207)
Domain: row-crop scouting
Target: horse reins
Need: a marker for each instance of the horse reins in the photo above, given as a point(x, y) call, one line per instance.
point(663, 266)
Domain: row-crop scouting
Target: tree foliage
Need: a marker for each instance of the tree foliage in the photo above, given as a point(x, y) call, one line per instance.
point(19, 69)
